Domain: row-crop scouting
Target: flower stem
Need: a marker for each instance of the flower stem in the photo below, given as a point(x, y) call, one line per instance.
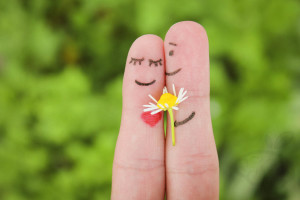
point(172, 125)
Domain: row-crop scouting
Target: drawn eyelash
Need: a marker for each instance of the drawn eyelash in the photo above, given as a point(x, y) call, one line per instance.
point(155, 62)
point(134, 60)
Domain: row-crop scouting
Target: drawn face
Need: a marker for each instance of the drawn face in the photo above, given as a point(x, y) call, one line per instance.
point(171, 53)
point(147, 117)
point(144, 75)
point(174, 57)
point(152, 63)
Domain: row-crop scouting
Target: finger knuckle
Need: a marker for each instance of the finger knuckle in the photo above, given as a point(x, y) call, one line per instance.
point(139, 164)
point(195, 164)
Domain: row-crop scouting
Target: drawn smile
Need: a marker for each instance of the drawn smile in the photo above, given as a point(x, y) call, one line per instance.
point(191, 116)
point(173, 73)
point(144, 84)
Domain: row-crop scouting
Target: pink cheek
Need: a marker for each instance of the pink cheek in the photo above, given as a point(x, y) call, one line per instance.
point(152, 120)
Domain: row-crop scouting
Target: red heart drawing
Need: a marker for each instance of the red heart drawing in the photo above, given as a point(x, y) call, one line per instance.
point(152, 120)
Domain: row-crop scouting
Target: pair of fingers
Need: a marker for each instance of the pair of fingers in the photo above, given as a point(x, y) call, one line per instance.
point(145, 164)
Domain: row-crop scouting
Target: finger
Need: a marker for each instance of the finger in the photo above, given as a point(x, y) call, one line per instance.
point(138, 169)
point(192, 164)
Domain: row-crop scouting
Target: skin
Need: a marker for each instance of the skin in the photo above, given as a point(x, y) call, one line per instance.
point(146, 165)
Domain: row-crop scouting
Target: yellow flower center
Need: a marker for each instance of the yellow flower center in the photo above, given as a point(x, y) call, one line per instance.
point(167, 98)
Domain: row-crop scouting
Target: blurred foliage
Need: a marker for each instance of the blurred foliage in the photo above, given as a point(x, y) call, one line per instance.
point(61, 65)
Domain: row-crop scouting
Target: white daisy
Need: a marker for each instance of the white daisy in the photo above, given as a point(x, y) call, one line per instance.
point(167, 102)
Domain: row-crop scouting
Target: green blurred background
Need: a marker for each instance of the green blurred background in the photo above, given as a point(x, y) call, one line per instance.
point(61, 68)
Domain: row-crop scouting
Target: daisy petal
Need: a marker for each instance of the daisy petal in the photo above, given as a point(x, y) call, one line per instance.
point(184, 99)
point(180, 92)
point(184, 93)
point(149, 109)
point(174, 91)
point(148, 106)
point(165, 90)
point(177, 100)
point(152, 98)
point(156, 111)
point(175, 108)
point(181, 96)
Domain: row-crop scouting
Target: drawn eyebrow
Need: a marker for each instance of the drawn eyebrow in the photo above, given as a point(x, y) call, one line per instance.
point(155, 62)
point(171, 43)
point(144, 84)
point(192, 115)
point(134, 60)
point(173, 73)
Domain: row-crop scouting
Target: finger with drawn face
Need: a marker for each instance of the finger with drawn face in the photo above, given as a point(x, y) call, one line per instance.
point(192, 164)
point(138, 170)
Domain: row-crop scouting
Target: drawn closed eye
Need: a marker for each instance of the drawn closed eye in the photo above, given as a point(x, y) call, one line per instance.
point(155, 62)
point(135, 60)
